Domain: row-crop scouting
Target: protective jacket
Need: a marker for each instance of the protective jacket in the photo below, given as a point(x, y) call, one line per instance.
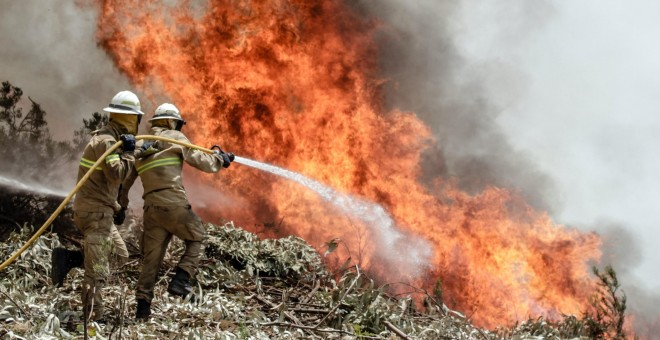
point(101, 191)
point(161, 172)
point(167, 211)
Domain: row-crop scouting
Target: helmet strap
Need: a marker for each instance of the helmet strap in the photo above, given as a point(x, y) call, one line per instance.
point(179, 124)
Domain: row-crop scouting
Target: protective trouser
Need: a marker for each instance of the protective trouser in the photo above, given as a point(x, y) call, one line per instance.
point(101, 238)
point(160, 223)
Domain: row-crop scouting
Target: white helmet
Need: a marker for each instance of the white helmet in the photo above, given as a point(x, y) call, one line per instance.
point(124, 102)
point(169, 111)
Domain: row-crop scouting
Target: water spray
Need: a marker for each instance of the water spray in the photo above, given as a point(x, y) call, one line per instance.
point(31, 187)
point(372, 214)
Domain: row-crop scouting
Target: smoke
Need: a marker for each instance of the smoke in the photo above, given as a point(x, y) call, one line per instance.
point(621, 250)
point(427, 74)
point(58, 64)
point(450, 63)
point(49, 50)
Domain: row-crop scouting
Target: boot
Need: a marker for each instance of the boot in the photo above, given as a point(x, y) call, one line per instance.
point(62, 261)
point(143, 309)
point(180, 284)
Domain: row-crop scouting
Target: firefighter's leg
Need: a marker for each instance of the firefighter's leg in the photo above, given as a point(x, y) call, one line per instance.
point(119, 248)
point(97, 246)
point(188, 227)
point(154, 243)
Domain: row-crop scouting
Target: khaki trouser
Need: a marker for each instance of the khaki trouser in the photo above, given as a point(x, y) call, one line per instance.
point(160, 223)
point(101, 238)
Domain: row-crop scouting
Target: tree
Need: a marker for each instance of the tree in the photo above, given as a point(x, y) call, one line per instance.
point(32, 126)
point(28, 153)
point(81, 136)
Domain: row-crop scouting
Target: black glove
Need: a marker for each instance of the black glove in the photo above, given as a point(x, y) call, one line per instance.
point(146, 145)
point(226, 159)
point(129, 142)
point(120, 216)
point(147, 149)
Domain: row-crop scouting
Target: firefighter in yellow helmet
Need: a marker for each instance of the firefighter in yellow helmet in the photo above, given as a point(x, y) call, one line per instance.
point(167, 211)
point(95, 206)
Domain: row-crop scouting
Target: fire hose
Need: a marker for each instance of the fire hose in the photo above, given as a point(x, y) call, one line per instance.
point(82, 181)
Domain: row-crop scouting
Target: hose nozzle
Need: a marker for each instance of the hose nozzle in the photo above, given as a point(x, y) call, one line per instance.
point(229, 154)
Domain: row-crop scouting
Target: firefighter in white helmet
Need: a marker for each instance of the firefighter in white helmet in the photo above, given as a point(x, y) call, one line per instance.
point(96, 208)
point(167, 211)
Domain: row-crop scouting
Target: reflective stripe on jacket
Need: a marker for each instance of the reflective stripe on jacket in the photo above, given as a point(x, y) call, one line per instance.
point(100, 192)
point(161, 172)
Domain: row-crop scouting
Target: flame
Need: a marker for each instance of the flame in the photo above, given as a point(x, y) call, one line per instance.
point(295, 83)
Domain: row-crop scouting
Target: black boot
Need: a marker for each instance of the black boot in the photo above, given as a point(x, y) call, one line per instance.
point(180, 284)
point(143, 309)
point(62, 261)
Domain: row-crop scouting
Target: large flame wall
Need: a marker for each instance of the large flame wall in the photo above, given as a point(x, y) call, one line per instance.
point(295, 83)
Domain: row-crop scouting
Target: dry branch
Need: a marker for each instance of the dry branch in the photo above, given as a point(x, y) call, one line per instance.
point(395, 330)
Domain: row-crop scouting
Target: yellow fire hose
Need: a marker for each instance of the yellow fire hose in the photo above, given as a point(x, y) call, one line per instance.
point(80, 184)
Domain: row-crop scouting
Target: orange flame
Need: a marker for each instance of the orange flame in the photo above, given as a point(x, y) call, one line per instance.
point(295, 83)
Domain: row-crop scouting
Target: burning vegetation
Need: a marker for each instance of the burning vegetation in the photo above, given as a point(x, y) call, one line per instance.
point(297, 84)
point(248, 287)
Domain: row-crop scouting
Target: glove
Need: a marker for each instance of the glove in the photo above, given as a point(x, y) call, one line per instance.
point(129, 142)
point(120, 216)
point(147, 149)
point(226, 160)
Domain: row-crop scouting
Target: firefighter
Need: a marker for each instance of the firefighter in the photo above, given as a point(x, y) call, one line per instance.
point(96, 210)
point(167, 211)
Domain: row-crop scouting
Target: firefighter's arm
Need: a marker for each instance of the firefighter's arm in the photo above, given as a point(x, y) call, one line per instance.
point(116, 166)
point(196, 158)
point(126, 187)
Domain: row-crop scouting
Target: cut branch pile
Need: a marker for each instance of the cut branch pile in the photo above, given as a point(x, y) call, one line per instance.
point(246, 288)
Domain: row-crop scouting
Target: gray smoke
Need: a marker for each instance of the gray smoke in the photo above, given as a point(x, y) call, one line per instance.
point(48, 49)
point(621, 250)
point(428, 75)
point(450, 62)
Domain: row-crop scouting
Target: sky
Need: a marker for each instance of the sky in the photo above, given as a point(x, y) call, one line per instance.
point(571, 89)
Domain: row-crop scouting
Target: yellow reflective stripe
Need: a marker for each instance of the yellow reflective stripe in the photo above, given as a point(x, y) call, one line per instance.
point(159, 162)
point(88, 164)
point(112, 158)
